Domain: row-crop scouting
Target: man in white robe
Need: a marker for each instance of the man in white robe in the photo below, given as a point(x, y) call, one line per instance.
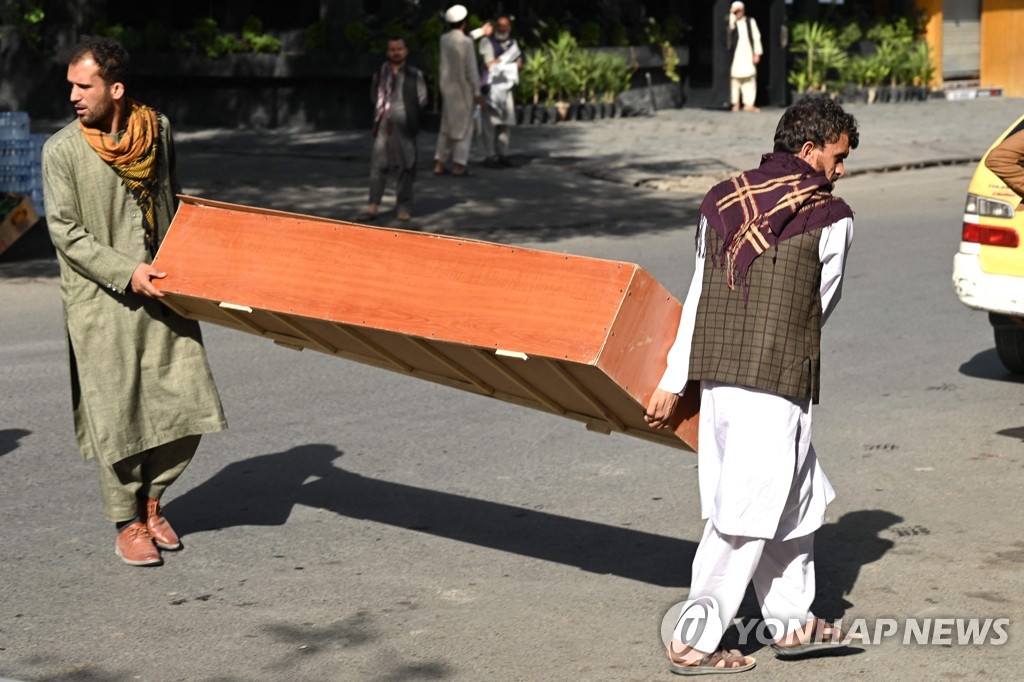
point(762, 489)
point(460, 94)
point(744, 41)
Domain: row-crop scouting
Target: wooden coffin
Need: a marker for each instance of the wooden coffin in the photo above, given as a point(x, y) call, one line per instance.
point(579, 337)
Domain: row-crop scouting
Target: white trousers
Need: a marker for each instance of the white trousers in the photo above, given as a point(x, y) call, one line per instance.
point(457, 149)
point(745, 87)
point(763, 494)
point(782, 572)
point(759, 474)
point(495, 137)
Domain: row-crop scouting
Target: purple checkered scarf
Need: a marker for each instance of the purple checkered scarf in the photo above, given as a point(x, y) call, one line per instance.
point(782, 198)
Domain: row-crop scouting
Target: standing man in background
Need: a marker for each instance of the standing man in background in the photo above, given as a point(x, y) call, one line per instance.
point(460, 94)
point(399, 93)
point(141, 387)
point(744, 43)
point(502, 60)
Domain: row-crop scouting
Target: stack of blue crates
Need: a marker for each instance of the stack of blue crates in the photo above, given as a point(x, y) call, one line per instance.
point(21, 154)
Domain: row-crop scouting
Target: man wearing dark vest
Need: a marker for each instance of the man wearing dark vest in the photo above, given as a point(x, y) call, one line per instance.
point(771, 252)
point(398, 92)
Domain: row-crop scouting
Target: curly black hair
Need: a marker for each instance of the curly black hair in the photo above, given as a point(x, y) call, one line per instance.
point(814, 119)
point(108, 53)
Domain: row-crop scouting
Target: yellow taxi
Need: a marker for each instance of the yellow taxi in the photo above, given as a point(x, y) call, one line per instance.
point(988, 270)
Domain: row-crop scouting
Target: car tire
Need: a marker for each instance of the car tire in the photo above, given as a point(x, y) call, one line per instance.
point(1009, 342)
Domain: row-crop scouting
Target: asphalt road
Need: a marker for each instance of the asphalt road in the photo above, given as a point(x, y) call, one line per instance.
point(353, 524)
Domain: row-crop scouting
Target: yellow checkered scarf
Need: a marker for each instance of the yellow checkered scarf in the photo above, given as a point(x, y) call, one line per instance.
point(133, 158)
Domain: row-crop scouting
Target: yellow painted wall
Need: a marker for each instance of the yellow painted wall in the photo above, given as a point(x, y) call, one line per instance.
point(933, 35)
point(1002, 47)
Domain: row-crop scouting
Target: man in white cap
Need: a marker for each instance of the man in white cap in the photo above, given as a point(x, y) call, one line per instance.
point(460, 93)
point(744, 43)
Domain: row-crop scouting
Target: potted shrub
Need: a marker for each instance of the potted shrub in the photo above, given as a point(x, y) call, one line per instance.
point(564, 82)
point(612, 75)
point(532, 77)
point(893, 42)
point(823, 55)
point(921, 68)
point(563, 72)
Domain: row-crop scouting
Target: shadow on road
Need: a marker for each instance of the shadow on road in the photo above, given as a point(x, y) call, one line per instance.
point(9, 439)
point(264, 489)
point(841, 549)
point(986, 365)
point(1016, 432)
point(354, 631)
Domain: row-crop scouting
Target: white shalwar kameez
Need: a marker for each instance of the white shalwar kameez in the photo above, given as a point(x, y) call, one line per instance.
point(743, 70)
point(762, 489)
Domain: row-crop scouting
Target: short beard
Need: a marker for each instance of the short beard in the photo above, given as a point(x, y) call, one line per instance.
point(102, 117)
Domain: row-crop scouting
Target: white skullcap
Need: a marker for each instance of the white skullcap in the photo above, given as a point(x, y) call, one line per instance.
point(455, 14)
point(736, 5)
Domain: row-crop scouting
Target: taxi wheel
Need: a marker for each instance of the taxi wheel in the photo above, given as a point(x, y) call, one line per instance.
point(1010, 347)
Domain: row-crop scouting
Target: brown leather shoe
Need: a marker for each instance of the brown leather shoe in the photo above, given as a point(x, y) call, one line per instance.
point(135, 547)
point(156, 523)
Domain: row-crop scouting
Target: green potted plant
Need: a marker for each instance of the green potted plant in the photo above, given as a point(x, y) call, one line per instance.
point(921, 68)
point(532, 79)
point(611, 76)
point(892, 46)
point(563, 72)
point(823, 56)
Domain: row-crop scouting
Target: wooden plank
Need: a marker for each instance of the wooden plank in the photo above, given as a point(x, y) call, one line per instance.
point(529, 389)
point(587, 396)
point(456, 368)
point(374, 348)
point(295, 325)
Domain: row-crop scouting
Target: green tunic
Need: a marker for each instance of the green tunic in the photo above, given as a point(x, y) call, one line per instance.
point(139, 374)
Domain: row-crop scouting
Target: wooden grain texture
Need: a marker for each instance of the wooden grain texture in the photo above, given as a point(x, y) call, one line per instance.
point(578, 337)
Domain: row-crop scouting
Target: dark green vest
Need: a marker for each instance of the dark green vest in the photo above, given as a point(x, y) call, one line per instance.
point(771, 341)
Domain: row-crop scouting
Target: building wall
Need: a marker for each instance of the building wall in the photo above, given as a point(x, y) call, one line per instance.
point(1002, 50)
point(932, 10)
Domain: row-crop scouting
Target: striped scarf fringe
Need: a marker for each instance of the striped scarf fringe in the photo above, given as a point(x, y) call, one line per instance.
point(760, 208)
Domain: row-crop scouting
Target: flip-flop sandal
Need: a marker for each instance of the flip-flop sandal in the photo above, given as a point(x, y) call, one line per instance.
point(709, 664)
point(443, 171)
point(826, 636)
